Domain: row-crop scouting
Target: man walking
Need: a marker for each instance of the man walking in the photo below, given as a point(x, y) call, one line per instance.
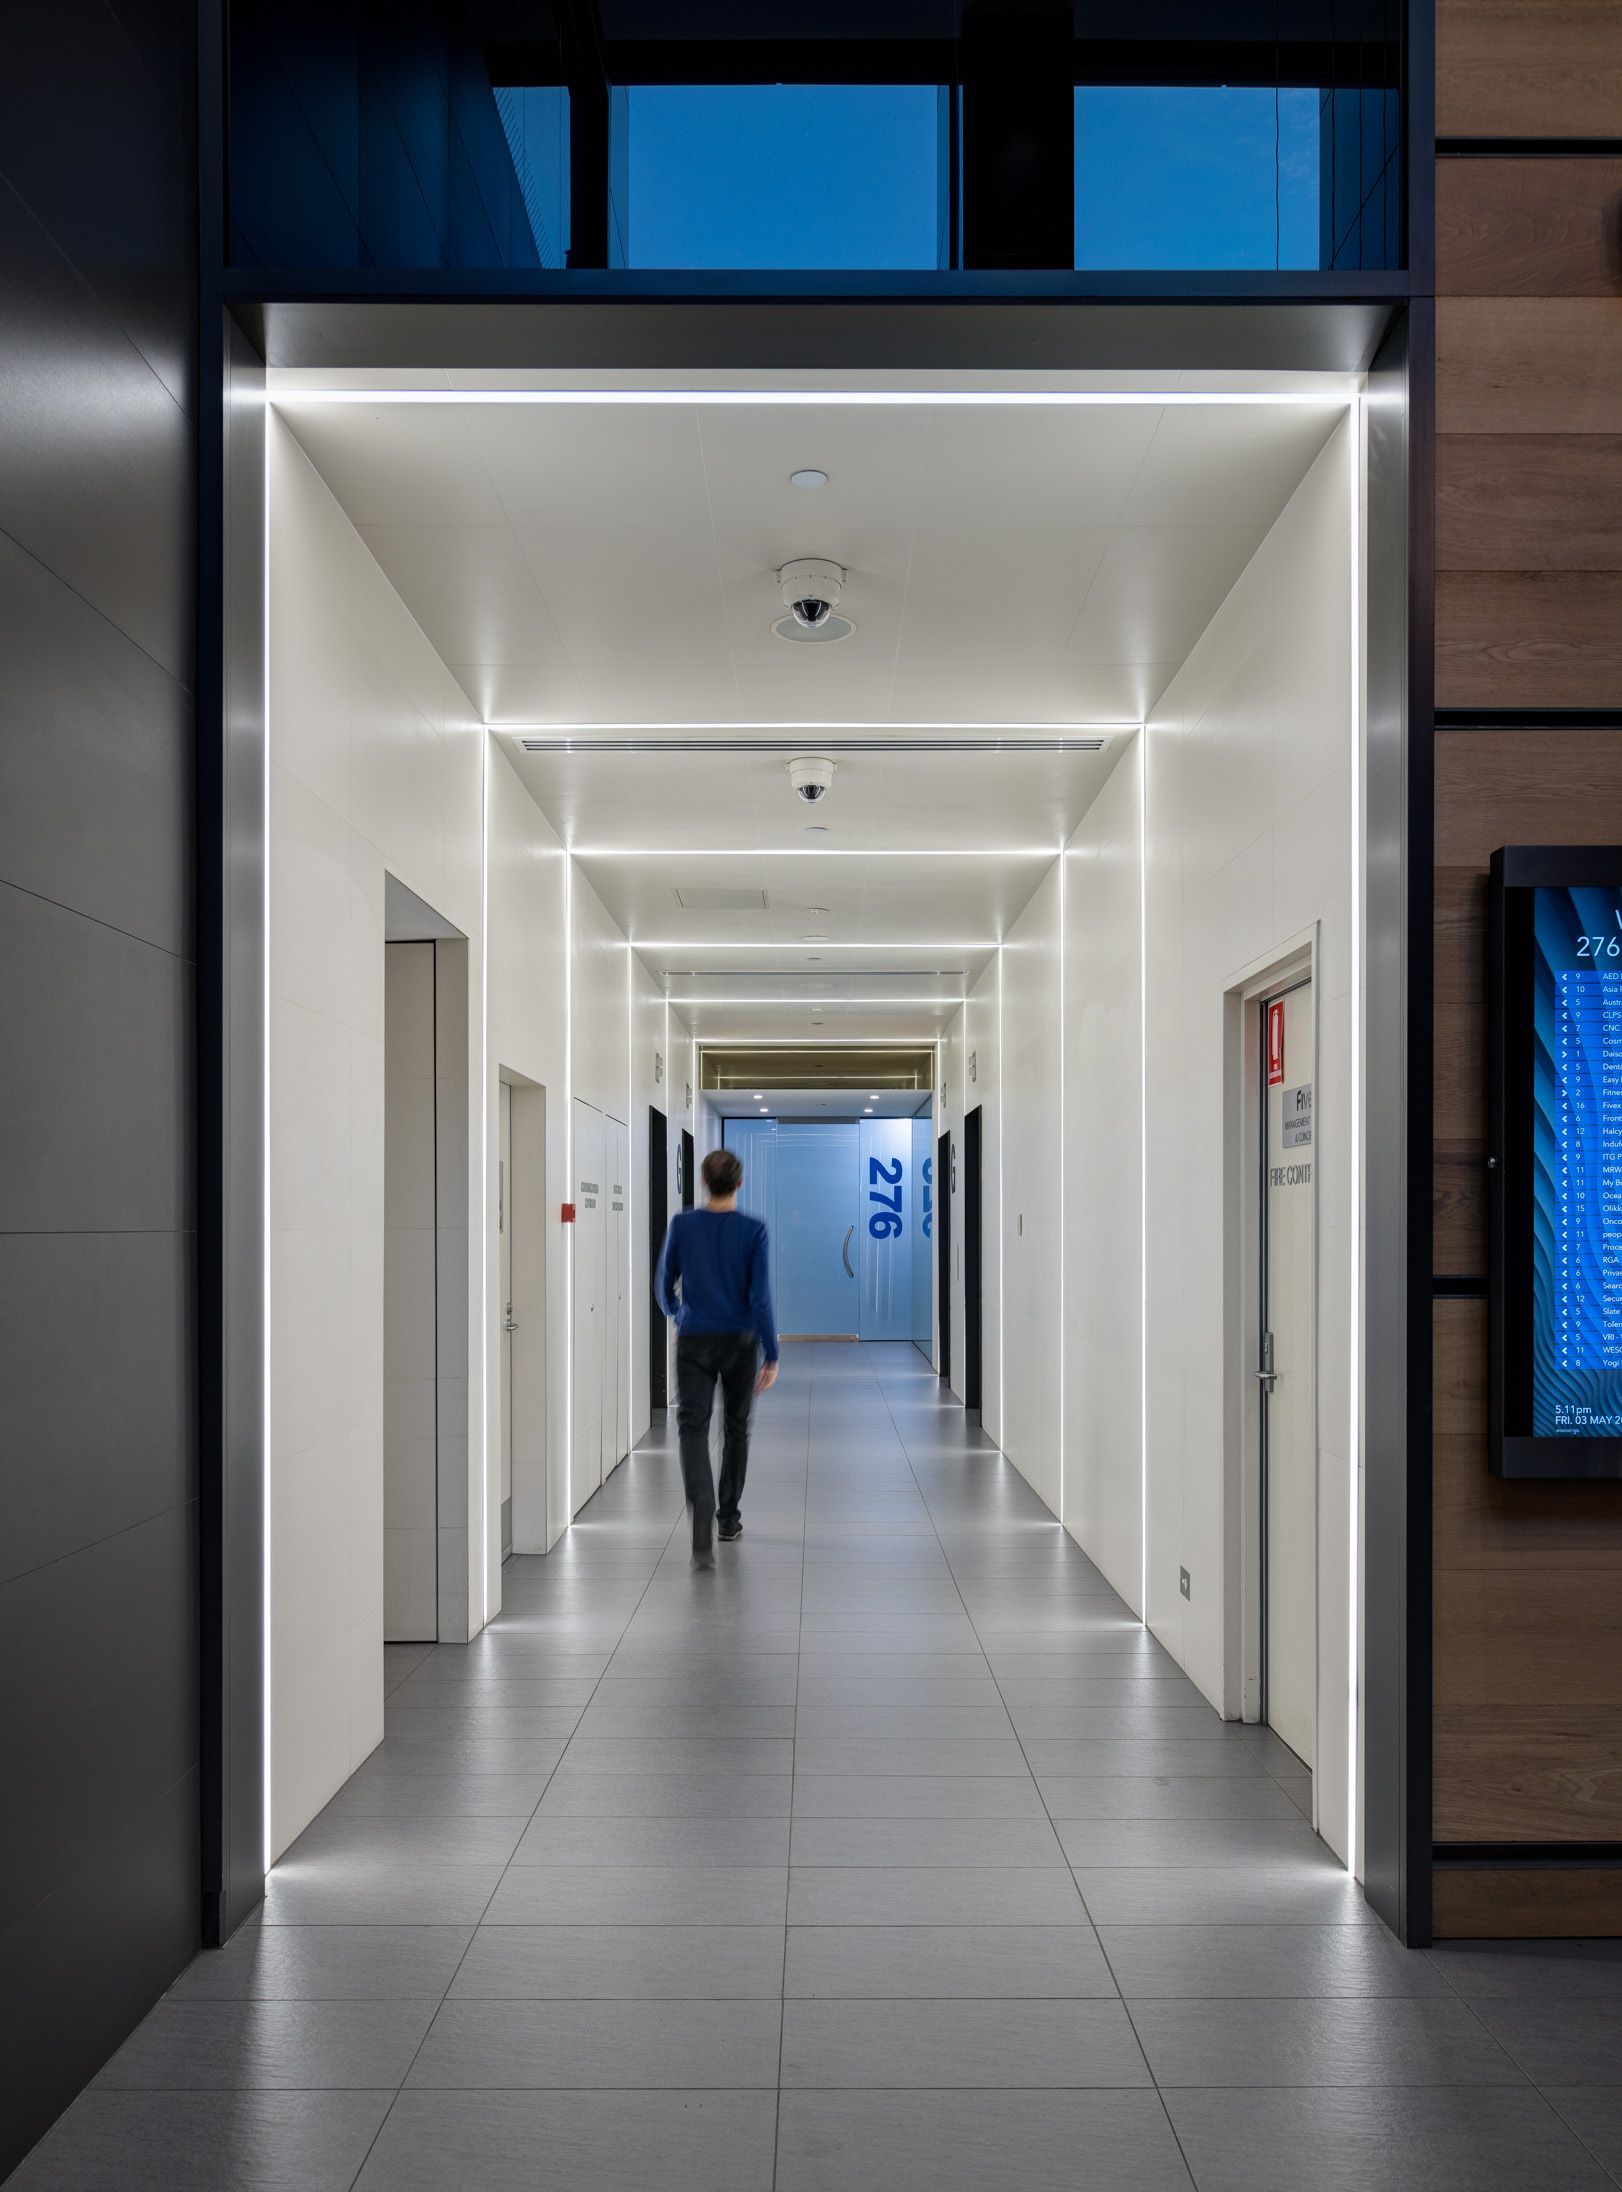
point(714, 1281)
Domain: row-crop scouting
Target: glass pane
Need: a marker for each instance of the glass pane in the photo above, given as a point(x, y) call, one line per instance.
point(536, 121)
point(1219, 176)
point(778, 175)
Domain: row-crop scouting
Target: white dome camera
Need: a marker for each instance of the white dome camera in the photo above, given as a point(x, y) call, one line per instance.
point(811, 590)
point(811, 776)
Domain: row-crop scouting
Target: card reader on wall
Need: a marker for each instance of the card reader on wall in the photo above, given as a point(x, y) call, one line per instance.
point(568, 1213)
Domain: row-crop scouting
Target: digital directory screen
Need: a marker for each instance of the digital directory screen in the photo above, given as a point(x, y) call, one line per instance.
point(1556, 1164)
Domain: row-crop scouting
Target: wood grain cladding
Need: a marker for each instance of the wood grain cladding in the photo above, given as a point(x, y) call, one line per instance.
point(1528, 68)
point(1527, 1628)
point(1486, 1903)
point(1515, 502)
point(1529, 365)
point(1529, 228)
point(1529, 639)
point(1550, 787)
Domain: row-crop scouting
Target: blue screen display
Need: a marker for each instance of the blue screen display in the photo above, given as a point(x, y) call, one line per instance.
point(1577, 1163)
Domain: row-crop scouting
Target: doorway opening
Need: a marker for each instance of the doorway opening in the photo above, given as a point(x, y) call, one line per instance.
point(943, 1253)
point(425, 1234)
point(1274, 1236)
point(520, 1312)
point(973, 1126)
point(601, 1337)
point(658, 1223)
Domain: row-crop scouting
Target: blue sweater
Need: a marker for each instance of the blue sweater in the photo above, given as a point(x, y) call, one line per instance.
point(713, 1276)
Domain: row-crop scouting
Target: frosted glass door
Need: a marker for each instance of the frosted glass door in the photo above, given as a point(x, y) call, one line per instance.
point(887, 1190)
point(818, 1228)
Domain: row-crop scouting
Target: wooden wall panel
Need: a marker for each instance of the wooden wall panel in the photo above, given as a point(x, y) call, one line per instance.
point(1528, 228)
point(1528, 639)
point(1486, 1903)
point(1528, 1629)
point(1536, 787)
point(1528, 68)
point(1516, 502)
point(1529, 365)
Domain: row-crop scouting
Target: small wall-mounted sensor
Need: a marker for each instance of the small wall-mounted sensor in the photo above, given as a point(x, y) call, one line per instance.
point(1183, 1583)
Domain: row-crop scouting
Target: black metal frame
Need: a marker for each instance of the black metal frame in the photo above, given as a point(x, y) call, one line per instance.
point(973, 1258)
point(943, 1252)
point(658, 1223)
point(982, 321)
point(1514, 1450)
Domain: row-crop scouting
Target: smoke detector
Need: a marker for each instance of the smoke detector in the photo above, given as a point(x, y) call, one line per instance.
point(812, 588)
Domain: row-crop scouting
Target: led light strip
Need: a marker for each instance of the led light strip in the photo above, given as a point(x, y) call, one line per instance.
point(688, 736)
point(844, 399)
point(728, 943)
point(266, 1521)
point(1354, 437)
point(814, 852)
point(485, 1249)
point(1143, 1174)
point(568, 1162)
point(814, 1004)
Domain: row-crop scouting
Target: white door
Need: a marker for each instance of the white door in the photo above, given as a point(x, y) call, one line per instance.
point(1286, 1365)
point(504, 1310)
point(589, 1310)
point(616, 1287)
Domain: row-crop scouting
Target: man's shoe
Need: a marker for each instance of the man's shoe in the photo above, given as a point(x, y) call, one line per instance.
point(727, 1531)
point(703, 1556)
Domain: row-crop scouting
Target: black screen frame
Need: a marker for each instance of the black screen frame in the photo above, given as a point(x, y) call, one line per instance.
point(1517, 872)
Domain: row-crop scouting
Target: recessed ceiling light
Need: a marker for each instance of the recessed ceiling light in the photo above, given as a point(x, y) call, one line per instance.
point(810, 477)
point(759, 1096)
point(816, 912)
point(814, 936)
point(816, 829)
point(867, 1108)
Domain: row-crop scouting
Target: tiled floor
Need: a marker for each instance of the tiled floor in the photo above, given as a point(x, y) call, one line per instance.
point(890, 1854)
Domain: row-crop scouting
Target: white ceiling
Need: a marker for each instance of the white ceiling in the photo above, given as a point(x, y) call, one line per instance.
point(820, 1103)
point(599, 563)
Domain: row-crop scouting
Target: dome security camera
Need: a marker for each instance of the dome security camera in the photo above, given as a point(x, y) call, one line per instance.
point(811, 590)
point(811, 776)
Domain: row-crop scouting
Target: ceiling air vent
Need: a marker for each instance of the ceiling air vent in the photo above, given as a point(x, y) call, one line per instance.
point(721, 901)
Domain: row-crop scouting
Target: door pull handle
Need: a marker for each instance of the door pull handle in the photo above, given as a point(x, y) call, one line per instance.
point(844, 1252)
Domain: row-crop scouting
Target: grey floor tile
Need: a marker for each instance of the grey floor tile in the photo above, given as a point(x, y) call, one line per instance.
point(1546, 1970)
point(1280, 1895)
point(449, 1751)
point(1179, 1796)
point(1133, 1758)
point(326, 1963)
point(939, 1754)
point(439, 1795)
point(915, 1796)
point(577, 2044)
point(888, 1841)
point(1594, 2113)
point(271, 2043)
point(206, 2142)
point(681, 1754)
point(1559, 2043)
point(1190, 1842)
point(666, 1795)
point(976, 2142)
point(697, 1895)
point(345, 1891)
point(571, 1840)
point(1387, 2042)
point(931, 1895)
point(710, 1963)
point(408, 1837)
point(1195, 1962)
point(642, 2142)
point(478, 1718)
point(960, 2044)
point(1444, 2139)
point(697, 1718)
point(941, 1962)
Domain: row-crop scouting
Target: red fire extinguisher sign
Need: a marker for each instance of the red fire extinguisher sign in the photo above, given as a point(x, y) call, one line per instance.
point(1275, 1043)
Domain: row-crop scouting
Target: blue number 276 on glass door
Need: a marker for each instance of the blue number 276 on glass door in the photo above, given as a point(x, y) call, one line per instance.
point(884, 1188)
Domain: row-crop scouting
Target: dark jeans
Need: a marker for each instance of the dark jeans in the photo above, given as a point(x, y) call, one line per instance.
point(704, 1359)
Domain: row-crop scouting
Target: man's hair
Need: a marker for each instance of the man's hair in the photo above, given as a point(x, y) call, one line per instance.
point(723, 1173)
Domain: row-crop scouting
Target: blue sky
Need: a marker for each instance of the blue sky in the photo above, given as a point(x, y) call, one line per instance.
point(805, 175)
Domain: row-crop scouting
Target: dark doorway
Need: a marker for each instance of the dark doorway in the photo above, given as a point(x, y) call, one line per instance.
point(943, 1250)
point(689, 1165)
point(971, 1259)
point(658, 1220)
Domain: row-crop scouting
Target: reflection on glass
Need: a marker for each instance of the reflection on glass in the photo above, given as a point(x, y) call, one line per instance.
point(1192, 176)
point(535, 119)
point(779, 175)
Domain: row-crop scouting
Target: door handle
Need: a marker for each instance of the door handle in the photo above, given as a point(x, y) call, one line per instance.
point(844, 1251)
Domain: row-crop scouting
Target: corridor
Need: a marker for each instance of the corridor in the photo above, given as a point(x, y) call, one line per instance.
point(893, 1853)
